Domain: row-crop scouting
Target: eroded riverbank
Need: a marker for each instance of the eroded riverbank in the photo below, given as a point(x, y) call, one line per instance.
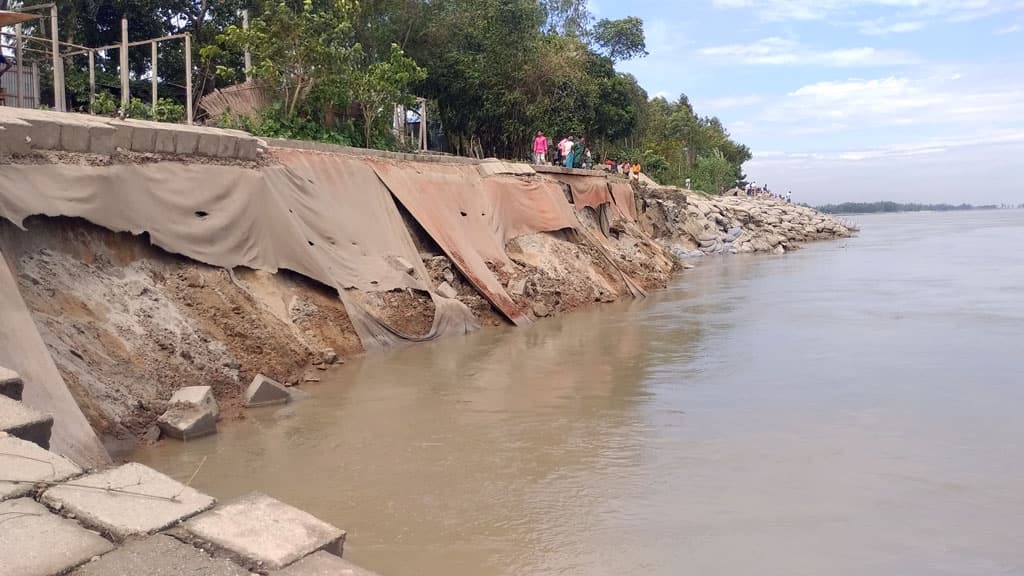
point(145, 272)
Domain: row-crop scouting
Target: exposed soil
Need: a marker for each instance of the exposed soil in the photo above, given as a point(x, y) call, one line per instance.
point(128, 324)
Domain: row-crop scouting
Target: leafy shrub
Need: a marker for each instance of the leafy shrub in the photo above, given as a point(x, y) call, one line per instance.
point(104, 104)
point(138, 109)
point(167, 110)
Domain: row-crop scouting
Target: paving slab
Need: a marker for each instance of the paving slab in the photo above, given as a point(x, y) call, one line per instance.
point(145, 501)
point(35, 542)
point(23, 422)
point(23, 464)
point(159, 555)
point(11, 384)
point(323, 564)
point(263, 530)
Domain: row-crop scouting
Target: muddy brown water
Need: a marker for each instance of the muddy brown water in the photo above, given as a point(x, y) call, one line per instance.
point(851, 408)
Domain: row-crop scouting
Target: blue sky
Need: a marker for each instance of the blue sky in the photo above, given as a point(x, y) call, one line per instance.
point(851, 99)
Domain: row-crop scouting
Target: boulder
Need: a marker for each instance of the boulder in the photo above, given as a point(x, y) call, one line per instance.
point(264, 391)
point(540, 310)
point(779, 250)
point(186, 422)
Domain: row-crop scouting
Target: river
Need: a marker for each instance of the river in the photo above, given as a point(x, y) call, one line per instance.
point(851, 408)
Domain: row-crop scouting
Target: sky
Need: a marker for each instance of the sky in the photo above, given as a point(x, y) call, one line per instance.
point(851, 100)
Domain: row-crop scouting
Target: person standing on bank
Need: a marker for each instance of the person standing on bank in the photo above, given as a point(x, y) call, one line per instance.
point(570, 146)
point(540, 149)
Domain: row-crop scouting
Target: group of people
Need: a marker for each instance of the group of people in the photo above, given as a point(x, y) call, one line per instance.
point(570, 152)
point(753, 190)
point(573, 152)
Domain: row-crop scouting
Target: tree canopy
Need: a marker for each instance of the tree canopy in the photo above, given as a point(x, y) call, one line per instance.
point(493, 71)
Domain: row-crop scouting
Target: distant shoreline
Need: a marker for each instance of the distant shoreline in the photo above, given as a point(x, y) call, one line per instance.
point(888, 207)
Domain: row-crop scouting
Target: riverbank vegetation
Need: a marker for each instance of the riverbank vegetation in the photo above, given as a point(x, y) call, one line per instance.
point(889, 206)
point(493, 73)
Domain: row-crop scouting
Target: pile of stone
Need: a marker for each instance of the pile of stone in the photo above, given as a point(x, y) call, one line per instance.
point(693, 225)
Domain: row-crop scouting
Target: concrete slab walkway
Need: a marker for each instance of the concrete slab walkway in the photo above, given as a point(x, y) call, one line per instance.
point(23, 464)
point(129, 500)
point(266, 531)
point(159, 556)
point(34, 542)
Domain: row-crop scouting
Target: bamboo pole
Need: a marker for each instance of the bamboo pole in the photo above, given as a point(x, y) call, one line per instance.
point(58, 64)
point(92, 82)
point(153, 72)
point(188, 78)
point(248, 55)
point(21, 63)
point(125, 96)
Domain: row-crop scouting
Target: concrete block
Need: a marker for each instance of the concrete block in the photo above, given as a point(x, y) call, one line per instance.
point(186, 142)
point(265, 392)
point(209, 144)
point(227, 147)
point(247, 149)
point(159, 555)
point(34, 542)
point(101, 139)
point(263, 530)
point(143, 139)
point(146, 501)
point(323, 564)
point(24, 464)
point(15, 135)
point(11, 384)
point(198, 396)
point(122, 135)
point(74, 136)
point(23, 422)
point(187, 422)
point(164, 142)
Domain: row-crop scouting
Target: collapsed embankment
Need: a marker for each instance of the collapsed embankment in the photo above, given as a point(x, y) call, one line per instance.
point(148, 273)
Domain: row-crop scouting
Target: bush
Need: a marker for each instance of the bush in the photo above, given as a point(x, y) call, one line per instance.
point(104, 104)
point(168, 110)
point(274, 122)
point(138, 109)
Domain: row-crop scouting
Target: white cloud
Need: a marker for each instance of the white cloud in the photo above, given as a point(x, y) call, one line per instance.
point(1008, 30)
point(775, 51)
point(879, 27)
point(833, 106)
point(951, 10)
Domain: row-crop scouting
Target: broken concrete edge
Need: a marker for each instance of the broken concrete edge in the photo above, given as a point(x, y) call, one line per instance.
point(187, 422)
point(11, 384)
point(241, 528)
point(22, 421)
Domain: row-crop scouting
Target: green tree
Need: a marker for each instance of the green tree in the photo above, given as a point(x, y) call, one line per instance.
point(296, 45)
point(380, 85)
point(620, 39)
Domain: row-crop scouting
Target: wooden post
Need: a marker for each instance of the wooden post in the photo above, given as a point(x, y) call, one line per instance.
point(248, 55)
point(188, 78)
point(423, 124)
point(153, 72)
point(21, 63)
point(58, 64)
point(92, 82)
point(125, 95)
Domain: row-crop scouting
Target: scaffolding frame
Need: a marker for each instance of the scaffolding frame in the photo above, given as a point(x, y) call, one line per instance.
point(57, 56)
